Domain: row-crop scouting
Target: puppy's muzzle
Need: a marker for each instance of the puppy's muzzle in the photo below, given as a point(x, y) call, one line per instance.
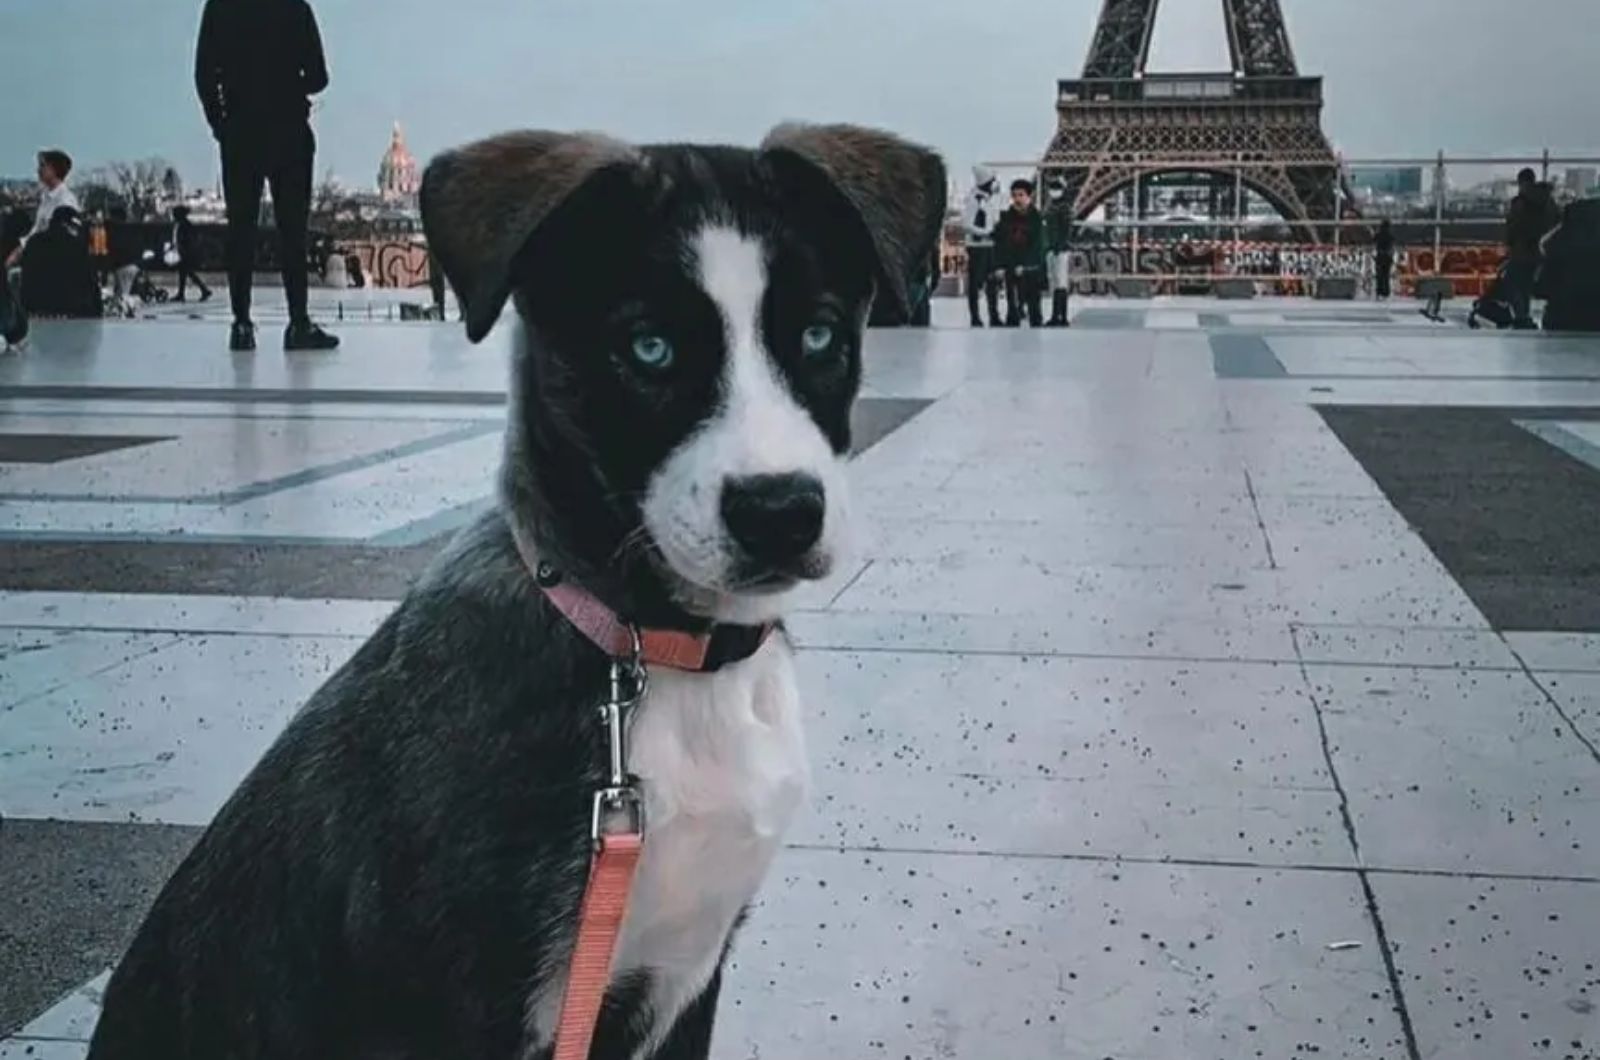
point(776, 522)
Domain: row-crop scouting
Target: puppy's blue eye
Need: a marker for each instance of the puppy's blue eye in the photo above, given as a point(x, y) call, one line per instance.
point(817, 339)
point(652, 351)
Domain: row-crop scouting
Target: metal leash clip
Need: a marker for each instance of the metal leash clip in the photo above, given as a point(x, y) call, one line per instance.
point(619, 806)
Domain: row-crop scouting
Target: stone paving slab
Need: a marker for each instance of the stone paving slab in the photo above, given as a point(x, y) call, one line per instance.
point(891, 955)
point(1139, 653)
point(1497, 968)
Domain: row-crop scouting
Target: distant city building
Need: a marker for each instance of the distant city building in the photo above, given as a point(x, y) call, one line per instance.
point(1582, 180)
point(1395, 181)
point(397, 173)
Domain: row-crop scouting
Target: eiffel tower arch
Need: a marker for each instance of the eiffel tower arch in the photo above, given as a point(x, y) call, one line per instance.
point(1258, 126)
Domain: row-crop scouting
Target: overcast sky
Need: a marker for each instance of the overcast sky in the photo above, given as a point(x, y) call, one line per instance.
point(111, 79)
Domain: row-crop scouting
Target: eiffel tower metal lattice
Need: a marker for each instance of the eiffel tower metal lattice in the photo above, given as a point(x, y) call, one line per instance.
point(1259, 125)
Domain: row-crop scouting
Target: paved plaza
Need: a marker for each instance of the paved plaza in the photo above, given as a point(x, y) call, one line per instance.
point(1218, 680)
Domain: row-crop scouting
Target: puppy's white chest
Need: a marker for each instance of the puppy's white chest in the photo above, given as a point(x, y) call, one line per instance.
point(723, 764)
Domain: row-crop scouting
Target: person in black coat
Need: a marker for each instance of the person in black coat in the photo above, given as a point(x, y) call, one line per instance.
point(1531, 215)
point(1019, 254)
point(185, 243)
point(1383, 261)
point(256, 64)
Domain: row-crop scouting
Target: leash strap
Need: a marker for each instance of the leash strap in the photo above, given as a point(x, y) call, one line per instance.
point(605, 903)
point(617, 828)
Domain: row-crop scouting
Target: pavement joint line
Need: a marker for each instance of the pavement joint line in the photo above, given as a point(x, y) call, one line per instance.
point(172, 640)
point(1255, 506)
point(866, 650)
point(1374, 913)
point(1241, 864)
point(1555, 704)
point(1237, 660)
point(857, 576)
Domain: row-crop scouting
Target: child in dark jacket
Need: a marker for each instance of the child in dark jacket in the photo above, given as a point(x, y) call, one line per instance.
point(1019, 253)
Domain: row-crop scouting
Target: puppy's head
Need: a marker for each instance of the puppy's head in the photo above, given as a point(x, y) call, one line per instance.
point(691, 345)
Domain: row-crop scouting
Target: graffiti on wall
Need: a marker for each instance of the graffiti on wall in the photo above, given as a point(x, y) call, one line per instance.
point(391, 263)
point(1284, 268)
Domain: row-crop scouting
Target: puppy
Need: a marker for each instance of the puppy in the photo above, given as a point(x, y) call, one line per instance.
point(400, 875)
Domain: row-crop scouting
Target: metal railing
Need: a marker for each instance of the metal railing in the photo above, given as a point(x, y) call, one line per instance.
point(1440, 233)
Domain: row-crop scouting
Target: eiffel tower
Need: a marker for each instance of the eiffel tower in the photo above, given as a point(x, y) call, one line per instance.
point(1259, 125)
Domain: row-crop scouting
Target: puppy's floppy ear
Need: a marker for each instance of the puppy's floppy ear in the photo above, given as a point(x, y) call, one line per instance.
point(896, 188)
point(482, 203)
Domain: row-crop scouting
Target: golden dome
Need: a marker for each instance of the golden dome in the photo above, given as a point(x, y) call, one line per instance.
point(397, 173)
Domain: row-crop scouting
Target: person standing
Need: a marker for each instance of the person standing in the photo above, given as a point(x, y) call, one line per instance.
point(1530, 217)
point(256, 65)
point(183, 241)
point(1383, 260)
point(1019, 254)
point(1058, 222)
point(978, 219)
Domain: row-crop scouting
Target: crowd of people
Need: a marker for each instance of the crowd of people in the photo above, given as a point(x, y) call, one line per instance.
point(1018, 248)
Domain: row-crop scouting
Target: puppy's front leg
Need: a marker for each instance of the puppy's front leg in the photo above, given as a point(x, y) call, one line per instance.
point(690, 1038)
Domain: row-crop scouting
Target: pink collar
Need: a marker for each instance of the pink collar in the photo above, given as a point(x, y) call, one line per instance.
point(672, 648)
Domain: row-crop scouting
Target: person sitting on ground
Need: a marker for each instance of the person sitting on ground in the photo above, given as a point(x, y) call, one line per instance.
point(1530, 217)
point(1019, 255)
point(58, 275)
point(54, 166)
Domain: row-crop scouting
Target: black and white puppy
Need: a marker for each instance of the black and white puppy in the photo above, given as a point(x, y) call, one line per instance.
point(399, 877)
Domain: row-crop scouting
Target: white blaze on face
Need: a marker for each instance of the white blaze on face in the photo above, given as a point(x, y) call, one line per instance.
point(757, 428)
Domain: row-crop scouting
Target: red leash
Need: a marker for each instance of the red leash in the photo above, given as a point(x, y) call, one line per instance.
point(605, 903)
point(617, 827)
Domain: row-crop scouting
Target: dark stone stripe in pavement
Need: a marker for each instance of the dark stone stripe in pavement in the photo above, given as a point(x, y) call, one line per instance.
point(303, 477)
point(55, 448)
point(1115, 319)
point(56, 392)
point(874, 419)
point(71, 895)
point(297, 570)
point(1244, 356)
point(1511, 517)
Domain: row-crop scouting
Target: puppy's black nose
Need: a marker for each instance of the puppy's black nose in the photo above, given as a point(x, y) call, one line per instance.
point(775, 519)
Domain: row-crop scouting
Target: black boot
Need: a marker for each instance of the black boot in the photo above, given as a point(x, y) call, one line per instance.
point(242, 339)
point(304, 335)
point(1058, 309)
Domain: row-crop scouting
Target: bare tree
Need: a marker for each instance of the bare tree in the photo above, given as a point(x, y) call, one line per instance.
point(97, 192)
point(325, 201)
point(141, 185)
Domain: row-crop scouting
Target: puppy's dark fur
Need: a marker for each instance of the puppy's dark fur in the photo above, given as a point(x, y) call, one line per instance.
point(401, 872)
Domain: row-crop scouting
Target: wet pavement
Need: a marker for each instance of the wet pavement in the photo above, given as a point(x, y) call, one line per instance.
point(1217, 680)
